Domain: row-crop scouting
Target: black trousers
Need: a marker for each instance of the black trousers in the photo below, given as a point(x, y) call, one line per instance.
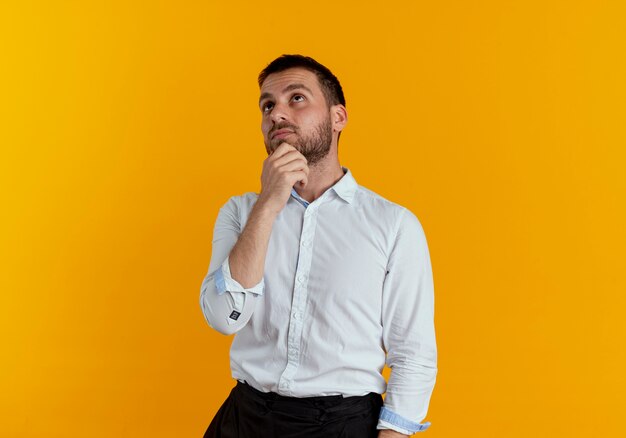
point(249, 413)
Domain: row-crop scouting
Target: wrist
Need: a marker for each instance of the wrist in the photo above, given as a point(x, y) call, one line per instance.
point(388, 433)
point(265, 208)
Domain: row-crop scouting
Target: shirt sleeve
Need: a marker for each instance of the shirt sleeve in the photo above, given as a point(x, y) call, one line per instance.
point(408, 330)
point(226, 304)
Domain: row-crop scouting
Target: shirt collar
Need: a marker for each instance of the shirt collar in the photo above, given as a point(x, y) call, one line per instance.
point(345, 188)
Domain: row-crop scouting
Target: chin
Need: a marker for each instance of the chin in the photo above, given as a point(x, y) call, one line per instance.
point(280, 141)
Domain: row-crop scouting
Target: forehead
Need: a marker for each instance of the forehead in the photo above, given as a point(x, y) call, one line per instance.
point(276, 82)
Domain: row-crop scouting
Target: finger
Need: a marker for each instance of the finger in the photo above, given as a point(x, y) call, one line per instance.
point(281, 150)
point(299, 177)
point(286, 157)
point(297, 164)
point(289, 157)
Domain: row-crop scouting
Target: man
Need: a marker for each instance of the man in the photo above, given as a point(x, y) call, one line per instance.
point(322, 280)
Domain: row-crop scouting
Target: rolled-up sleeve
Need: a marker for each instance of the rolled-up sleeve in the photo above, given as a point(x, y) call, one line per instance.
point(408, 330)
point(226, 304)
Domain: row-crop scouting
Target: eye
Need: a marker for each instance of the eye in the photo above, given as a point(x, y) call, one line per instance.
point(266, 106)
point(298, 97)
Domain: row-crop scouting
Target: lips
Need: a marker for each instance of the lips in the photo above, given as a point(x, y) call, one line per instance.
point(281, 132)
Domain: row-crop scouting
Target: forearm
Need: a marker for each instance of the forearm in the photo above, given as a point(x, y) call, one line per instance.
point(247, 258)
point(228, 300)
point(409, 330)
point(407, 397)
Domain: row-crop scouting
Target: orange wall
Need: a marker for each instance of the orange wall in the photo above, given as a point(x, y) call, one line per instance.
point(124, 126)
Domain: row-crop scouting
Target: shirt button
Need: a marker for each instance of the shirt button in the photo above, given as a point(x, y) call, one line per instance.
point(301, 278)
point(296, 315)
point(305, 243)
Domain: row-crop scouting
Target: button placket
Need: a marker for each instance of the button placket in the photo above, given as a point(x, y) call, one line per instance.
point(299, 299)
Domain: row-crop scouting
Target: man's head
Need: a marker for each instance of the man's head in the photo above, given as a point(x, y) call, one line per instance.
point(302, 103)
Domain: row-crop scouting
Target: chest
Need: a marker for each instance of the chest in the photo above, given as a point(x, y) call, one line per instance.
point(330, 259)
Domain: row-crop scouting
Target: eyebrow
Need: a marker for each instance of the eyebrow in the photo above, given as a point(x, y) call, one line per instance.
point(286, 89)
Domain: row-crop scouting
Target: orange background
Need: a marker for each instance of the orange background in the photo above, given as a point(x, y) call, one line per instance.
point(126, 125)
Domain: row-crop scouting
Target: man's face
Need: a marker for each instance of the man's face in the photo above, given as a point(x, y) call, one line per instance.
point(295, 111)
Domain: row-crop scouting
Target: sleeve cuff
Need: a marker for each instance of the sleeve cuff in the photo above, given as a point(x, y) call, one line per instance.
point(224, 282)
point(390, 420)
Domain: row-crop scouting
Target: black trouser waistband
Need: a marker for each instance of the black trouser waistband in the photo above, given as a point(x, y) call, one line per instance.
point(328, 404)
point(250, 413)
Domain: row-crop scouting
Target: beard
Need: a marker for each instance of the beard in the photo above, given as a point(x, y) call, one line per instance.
point(314, 147)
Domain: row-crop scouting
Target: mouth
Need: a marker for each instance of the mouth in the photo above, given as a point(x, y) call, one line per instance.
point(281, 133)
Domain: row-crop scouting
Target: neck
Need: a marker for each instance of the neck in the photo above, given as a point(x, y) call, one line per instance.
point(322, 176)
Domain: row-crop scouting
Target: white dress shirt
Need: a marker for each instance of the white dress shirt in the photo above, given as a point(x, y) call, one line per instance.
point(347, 286)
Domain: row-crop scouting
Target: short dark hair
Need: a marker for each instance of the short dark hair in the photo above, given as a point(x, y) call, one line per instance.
point(328, 82)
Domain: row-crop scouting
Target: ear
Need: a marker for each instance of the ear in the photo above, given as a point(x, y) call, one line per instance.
point(338, 117)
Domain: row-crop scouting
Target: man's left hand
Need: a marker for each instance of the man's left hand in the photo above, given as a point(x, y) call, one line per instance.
point(388, 433)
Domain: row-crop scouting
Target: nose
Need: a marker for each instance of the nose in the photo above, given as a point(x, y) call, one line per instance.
point(280, 113)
